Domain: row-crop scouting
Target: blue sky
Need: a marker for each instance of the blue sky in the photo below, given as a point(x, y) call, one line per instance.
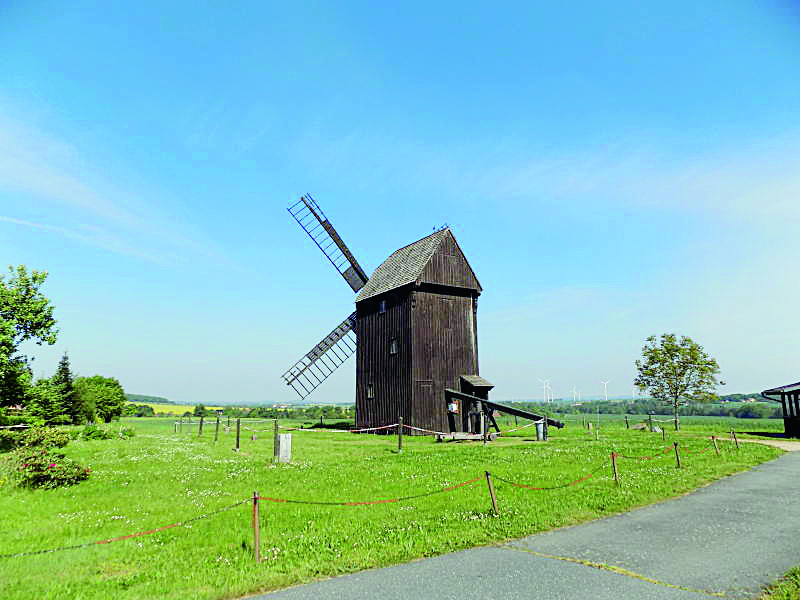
point(611, 170)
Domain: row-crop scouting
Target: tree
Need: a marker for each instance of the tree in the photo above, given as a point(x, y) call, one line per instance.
point(25, 314)
point(44, 404)
point(676, 371)
point(101, 396)
point(63, 381)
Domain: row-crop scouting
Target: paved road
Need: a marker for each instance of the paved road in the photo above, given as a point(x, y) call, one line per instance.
point(734, 537)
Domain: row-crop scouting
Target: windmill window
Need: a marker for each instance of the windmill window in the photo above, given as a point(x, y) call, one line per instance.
point(393, 346)
point(370, 391)
point(382, 308)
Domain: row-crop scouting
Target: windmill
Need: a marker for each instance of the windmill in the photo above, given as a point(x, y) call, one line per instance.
point(414, 333)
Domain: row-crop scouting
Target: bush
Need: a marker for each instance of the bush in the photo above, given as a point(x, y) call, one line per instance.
point(42, 437)
point(43, 468)
point(8, 440)
point(126, 432)
point(93, 432)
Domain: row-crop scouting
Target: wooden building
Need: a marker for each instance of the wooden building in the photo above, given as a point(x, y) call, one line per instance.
point(416, 320)
point(789, 397)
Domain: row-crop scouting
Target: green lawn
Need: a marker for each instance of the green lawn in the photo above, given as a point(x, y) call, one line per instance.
point(159, 477)
point(788, 588)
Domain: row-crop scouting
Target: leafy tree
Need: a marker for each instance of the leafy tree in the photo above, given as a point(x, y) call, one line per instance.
point(676, 371)
point(143, 410)
point(25, 314)
point(100, 396)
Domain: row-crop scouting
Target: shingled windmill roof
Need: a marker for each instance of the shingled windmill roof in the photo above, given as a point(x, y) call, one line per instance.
point(408, 264)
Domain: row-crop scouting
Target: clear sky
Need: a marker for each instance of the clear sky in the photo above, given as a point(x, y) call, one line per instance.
point(611, 170)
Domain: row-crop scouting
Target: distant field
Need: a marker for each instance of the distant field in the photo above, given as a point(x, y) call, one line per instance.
point(175, 409)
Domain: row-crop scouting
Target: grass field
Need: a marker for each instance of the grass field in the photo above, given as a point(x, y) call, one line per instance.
point(159, 478)
point(788, 588)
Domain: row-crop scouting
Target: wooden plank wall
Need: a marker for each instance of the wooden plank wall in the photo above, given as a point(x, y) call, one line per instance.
point(791, 413)
point(443, 350)
point(389, 374)
point(449, 267)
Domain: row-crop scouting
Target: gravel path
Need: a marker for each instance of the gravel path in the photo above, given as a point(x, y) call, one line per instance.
point(730, 538)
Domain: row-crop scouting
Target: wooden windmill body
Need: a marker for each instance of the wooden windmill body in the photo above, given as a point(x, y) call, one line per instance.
point(414, 330)
point(417, 335)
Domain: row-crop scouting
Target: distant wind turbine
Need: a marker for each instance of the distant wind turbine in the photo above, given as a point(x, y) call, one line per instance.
point(605, 389)
point(545, 383)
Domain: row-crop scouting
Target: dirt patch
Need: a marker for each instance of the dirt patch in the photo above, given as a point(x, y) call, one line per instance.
point(789, 446)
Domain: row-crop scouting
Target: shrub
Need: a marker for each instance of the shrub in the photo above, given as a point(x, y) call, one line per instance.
point(41, 437)
point(93, 432)
point(8, 440)
point(43, 468)
point(126, 432)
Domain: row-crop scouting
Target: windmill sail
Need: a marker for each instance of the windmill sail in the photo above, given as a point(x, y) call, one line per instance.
point(323, 359)
point(313, 221)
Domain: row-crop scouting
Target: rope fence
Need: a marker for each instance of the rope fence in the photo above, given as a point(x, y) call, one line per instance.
point(129, 536)
point(256, 498)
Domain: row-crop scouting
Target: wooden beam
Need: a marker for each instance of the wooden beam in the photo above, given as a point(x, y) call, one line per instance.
point(448, 392)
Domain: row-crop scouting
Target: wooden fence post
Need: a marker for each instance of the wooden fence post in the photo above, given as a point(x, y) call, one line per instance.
point(614, 467)
point(216, 430)
point(650, 421)
point(491, 491)
point(238, 431)
point(229, 422)
point(176, 426)
point(399, 434)
point(627, 425)
point(735, 441)
point(180, 425)
point(663, 435)
point(714, 440)
point(200, 429)
point(275, 430)
point(256, 528)
point(677, 454)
